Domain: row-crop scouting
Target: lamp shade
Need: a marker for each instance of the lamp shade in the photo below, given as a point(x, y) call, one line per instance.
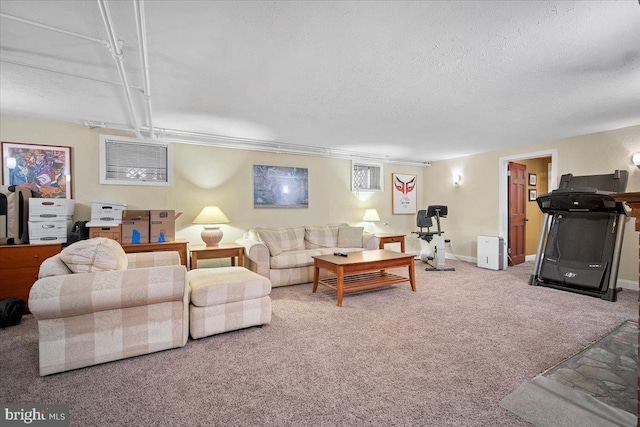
point(211, 215)
point(371, 215)
point(211, 235)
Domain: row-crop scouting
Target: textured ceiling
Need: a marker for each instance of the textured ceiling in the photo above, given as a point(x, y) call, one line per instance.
point(408, 80)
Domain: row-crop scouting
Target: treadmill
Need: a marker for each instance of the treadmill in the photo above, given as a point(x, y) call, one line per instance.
point(581, 237)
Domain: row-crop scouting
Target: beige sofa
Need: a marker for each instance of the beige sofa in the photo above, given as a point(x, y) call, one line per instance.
point(96, 304)
point(284, 255)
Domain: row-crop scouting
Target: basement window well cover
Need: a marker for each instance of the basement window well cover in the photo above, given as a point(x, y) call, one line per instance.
point(130, 161)
point(366, 176)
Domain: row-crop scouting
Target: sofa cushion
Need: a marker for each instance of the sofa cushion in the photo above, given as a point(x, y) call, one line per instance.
point(320, 237)
point(97, 254)
point(291, 259)
point(331, 251)
point(350, 237)
point(279, 240)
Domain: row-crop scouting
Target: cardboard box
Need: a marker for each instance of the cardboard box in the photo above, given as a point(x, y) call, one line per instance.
point(135, 227)
point(107, 212)
point(44, 209)
point(51, 231)
point(163, 226)
point(110, 232)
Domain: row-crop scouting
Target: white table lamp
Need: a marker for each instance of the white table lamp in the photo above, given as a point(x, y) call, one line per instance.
point(371, 215)
point(211, 215)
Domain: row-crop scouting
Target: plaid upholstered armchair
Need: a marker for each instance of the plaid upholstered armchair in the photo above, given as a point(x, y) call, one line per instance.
point(96, 304)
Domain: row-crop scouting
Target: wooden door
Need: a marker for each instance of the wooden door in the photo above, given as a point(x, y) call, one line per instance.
point(517, 212)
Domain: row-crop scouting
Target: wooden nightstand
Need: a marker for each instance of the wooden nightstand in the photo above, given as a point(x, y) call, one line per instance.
point(224, 250)
point(391, 238)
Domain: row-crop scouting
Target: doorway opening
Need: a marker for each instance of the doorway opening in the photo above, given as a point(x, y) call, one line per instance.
point(536, 160)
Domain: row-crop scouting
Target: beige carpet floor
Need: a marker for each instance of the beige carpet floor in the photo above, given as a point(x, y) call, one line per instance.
point(442, 356)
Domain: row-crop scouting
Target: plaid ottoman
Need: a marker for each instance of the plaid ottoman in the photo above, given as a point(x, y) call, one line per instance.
point(225, 299)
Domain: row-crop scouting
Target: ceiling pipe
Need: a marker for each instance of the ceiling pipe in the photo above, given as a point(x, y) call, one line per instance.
point(116, 53)
point(141, 26)
point(58, 30)
point(212, 140)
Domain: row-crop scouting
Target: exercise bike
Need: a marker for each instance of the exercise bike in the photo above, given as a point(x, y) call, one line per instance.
point(423, 220)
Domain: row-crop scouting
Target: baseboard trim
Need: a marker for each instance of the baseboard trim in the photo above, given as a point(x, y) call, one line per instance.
point(621, 283)
point(473, 260)
point(627, 284)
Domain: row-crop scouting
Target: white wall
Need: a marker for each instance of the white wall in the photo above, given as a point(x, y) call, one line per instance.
point(216, 176)
point(206, 175)
point(473, 205)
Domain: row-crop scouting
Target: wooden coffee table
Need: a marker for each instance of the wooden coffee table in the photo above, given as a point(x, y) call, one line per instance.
point(360, 271)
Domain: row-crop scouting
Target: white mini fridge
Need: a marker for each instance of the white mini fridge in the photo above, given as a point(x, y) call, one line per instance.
point(491, 252)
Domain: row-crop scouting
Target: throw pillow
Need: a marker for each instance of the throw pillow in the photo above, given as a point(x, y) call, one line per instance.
point(291, 239)
point(97, 254)
point(350, 237)
point(53, 267)
point(320, 237)
point(282, 239)
point(268, 238)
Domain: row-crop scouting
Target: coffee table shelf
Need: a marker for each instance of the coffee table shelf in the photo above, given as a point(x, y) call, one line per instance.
point(364, 281)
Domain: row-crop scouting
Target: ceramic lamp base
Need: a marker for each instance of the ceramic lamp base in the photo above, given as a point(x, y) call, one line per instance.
point(211, 236)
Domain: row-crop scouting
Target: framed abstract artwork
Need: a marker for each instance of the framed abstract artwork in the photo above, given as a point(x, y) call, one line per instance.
point(404, 194)
point(43, 169)
point(280, 187)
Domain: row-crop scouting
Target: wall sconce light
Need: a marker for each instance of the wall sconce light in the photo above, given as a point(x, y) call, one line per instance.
point(456, 179)
point(636, 159)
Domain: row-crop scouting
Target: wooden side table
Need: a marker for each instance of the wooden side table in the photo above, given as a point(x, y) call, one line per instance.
point(179, 246)
point(224, 250)
point(391, 238)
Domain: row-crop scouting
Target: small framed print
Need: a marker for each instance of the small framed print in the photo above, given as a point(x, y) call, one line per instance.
point(404, 194)
point(533, 195)
point(533, 179)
